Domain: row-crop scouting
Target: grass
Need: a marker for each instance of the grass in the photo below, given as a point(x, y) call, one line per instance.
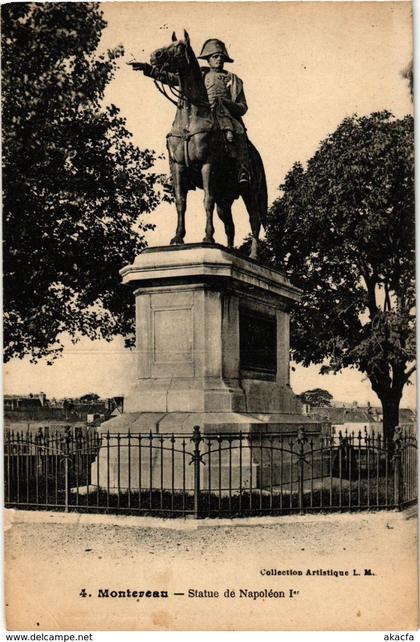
point(322, 496)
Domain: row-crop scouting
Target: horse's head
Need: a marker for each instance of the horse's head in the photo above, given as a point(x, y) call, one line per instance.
point(175, 57)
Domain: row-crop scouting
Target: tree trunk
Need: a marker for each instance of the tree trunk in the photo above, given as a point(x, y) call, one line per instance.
point(390, 409)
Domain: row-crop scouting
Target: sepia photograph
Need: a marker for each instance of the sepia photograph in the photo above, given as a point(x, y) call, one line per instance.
point(209, 331)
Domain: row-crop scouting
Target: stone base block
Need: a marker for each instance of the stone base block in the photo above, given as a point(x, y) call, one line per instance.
point(155, 451)
point(209, 422)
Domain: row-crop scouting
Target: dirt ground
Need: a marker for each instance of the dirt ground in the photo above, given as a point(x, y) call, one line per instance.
point(50, 558)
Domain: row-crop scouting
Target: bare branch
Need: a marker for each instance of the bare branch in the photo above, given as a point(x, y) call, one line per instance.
point(409, 372)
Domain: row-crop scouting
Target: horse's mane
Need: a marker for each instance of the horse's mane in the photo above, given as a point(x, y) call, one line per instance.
point(196, 69)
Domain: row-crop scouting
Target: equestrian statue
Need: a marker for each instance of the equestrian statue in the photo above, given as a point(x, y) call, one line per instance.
point(208, 146)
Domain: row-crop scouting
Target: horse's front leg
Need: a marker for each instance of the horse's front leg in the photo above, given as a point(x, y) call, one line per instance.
point(178, 171)
point(251, 204)
point(206, 172)
point(224, 210)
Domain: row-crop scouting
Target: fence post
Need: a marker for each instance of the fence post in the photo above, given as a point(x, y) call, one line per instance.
point(66, 470)
point(396, 458)
point(301, 441)
point(196, 439)
point(8, 460)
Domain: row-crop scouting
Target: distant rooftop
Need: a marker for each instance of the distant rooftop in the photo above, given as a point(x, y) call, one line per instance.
point(357, 414)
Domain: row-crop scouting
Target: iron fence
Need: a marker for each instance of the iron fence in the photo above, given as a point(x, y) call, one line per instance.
point(209, 474)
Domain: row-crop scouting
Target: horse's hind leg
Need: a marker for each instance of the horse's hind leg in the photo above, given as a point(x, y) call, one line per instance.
point(206, 172)
point(178, 178)
point(251, 204)
point(224, 212)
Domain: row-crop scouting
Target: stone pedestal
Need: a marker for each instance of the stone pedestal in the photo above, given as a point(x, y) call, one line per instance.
point(212, 345)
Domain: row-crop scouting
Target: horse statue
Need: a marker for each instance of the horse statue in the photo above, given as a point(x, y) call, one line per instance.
point(198, 151)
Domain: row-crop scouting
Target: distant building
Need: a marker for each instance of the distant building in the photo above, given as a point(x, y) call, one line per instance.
point(30, 411)
point(352, 417)
point(25, 402)
point(306, 408)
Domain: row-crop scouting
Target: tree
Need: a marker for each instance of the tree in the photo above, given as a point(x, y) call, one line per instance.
point(408, 74)
point(343, 230)
point(89, 397)
point(316, 398)
point(68, 405)
point(75, 188)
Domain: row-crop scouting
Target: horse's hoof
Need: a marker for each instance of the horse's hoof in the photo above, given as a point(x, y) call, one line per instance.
point(177, 241)
point(209, 239)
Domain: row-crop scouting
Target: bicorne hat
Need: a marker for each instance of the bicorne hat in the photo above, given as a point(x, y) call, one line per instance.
point(212, 46)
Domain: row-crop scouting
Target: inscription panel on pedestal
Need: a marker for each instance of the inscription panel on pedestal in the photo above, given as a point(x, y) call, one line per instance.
point(172, 341)
point(172, 336)
point(257, 342)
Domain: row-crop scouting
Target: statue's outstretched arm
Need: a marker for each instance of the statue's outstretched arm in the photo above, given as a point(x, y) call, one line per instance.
point(151, 72)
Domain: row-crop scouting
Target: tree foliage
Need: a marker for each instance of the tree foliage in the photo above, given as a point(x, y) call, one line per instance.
point(343, 230)
point(316, 398)
point(89, 397)
point(74, 185)
point(408, 74)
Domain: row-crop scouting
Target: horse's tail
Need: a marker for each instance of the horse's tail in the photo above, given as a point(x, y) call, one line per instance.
point(259, 183)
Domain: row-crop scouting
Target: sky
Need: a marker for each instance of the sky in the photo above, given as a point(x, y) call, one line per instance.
point(305, 67)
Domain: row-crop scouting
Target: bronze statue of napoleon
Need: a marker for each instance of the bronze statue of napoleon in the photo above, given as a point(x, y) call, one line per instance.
point(207, 145)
